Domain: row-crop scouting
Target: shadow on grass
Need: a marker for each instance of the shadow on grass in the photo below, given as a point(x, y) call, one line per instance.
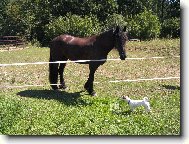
point(170, 87)
point(69, 99)
point(129, 112)
point(123, 113)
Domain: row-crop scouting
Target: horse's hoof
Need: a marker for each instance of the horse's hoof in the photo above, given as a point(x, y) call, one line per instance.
point(57, 90)
point(62, 87)
point(93, 93)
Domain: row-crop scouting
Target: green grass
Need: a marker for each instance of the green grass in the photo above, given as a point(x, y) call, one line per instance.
point(41, 111)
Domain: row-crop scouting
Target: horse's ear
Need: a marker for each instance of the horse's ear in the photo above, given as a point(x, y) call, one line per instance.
point(117, 29)
point(124, 29)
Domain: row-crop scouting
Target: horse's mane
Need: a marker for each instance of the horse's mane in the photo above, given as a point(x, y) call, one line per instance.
point(106, 33)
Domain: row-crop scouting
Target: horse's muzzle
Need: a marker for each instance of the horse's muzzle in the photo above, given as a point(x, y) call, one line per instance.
point(123, 56)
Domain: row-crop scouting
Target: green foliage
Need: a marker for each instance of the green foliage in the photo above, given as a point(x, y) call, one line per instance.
point(144, 25)
point(13, 23)
point(29, 18)
point(3, 4)
point(114, 20)
point(107, 7)
point(74, 25)
point(100, 8)
point(132, 8)
point(38, 12)
point(17, 22)
point(170, 28)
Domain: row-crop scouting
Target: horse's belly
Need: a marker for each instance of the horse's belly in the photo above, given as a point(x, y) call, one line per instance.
point(79, 53)
point(83, 62)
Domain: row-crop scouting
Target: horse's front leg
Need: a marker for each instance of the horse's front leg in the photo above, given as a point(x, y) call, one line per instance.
point(89, 84)
point(61, 71)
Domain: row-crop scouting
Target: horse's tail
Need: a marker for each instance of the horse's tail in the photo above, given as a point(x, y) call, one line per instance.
point(53, 72)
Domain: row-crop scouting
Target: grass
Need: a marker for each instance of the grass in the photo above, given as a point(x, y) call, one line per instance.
point(41, 111)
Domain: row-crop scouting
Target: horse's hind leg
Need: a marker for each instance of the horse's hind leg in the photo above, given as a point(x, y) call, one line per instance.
point(53, 75)
point(61, 71)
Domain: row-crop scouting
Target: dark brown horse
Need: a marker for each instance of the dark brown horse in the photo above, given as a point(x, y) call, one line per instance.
point(96, 47)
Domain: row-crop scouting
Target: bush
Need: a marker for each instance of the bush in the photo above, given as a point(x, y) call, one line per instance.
point(144, 26)
point(171, 28)
point(14, 21)
point(73, 25)
point(133, 29)
point(114, 20)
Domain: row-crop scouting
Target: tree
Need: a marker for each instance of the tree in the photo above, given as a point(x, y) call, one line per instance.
point(3, 4)
point(13, 23)
point(144, 26)
point(131, 8)
point(41, 15)
point(72, 24)
point(30, 17)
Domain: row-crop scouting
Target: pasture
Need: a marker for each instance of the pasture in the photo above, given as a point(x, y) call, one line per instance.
point(41, 111)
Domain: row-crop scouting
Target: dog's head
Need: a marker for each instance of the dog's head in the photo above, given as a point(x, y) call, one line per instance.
point(125, 98)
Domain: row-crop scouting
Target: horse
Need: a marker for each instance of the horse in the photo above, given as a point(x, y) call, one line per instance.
point(95, 47)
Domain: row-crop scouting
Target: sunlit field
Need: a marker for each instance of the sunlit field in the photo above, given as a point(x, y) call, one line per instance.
point(38, 110)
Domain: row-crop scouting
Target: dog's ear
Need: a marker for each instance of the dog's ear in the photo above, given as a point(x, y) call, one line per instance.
point(123, 97)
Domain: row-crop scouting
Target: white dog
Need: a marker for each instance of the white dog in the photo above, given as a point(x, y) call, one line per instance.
point(135, 103)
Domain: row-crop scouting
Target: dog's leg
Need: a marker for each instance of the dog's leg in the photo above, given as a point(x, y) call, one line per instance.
point(131, 108)
point(147, 107)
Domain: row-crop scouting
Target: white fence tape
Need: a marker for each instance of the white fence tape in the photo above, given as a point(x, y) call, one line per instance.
point(39, 63)
point(115, 81)
point(147, 79)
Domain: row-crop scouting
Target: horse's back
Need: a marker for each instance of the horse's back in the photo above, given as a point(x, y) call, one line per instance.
point(74, 48)
point(72, 40)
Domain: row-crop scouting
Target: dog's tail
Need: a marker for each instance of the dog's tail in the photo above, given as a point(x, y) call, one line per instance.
point(145, 99)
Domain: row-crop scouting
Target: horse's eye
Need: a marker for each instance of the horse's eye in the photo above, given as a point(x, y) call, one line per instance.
point(118, 36)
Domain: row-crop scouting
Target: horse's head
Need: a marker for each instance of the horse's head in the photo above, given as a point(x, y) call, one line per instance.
point(120, 37)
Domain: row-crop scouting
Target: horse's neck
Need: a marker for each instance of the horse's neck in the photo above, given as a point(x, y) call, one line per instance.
point(106, 41)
